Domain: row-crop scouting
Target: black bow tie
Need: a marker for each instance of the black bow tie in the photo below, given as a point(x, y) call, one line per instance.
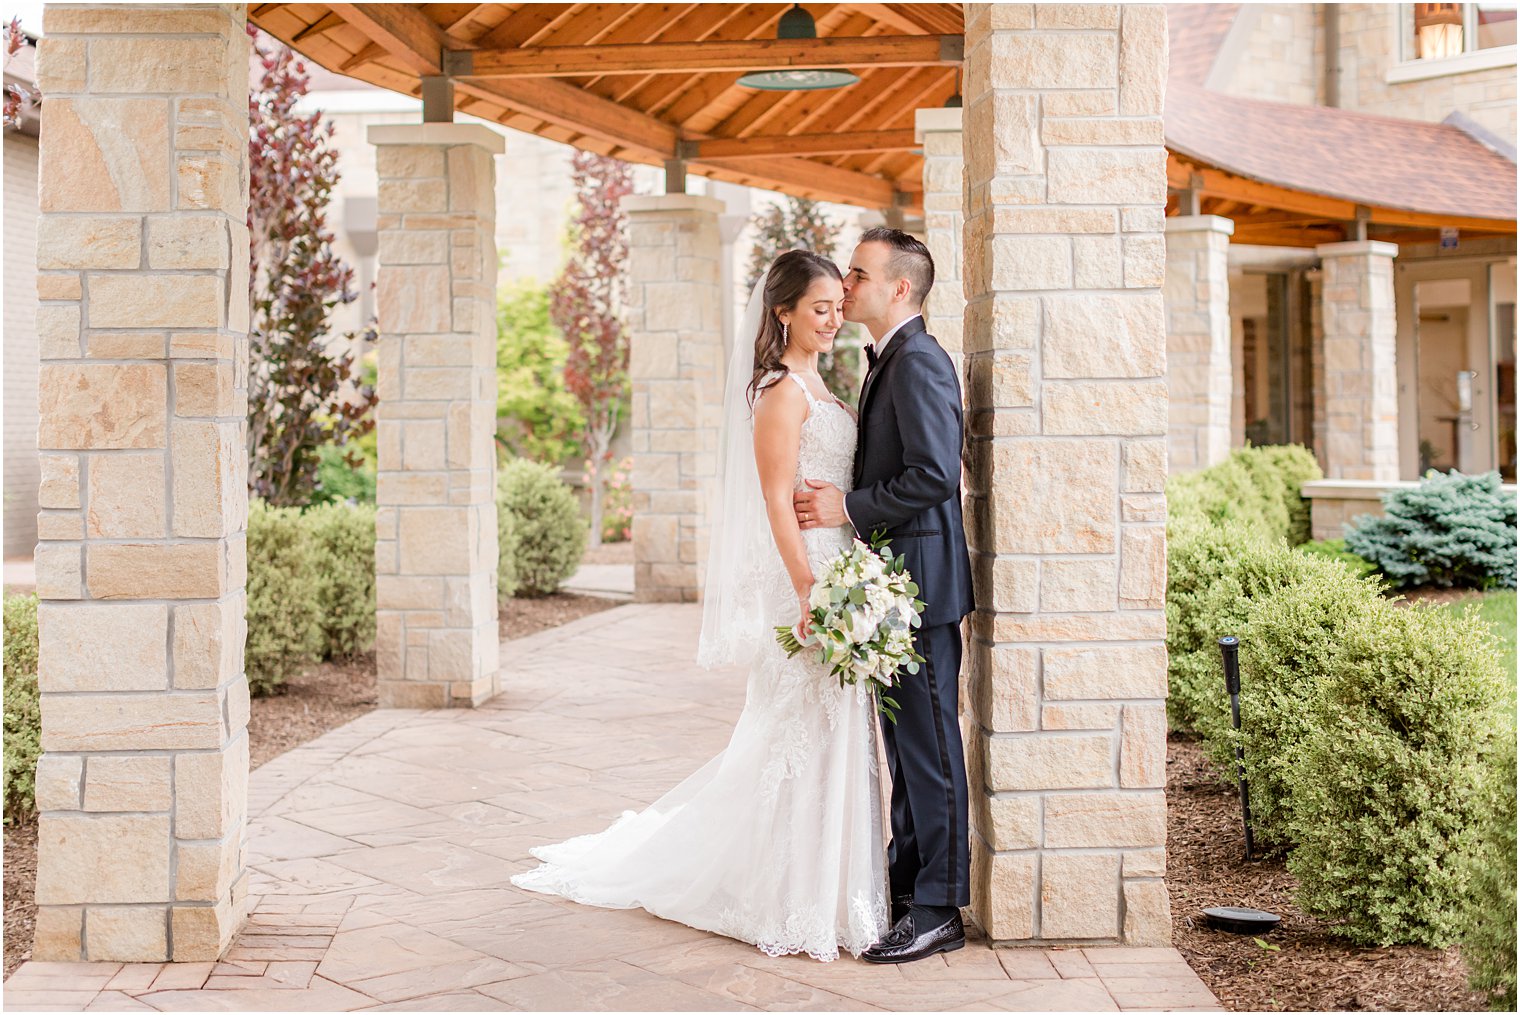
point(871, 357)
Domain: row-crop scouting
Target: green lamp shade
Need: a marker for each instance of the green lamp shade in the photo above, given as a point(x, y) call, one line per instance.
point(790, 80)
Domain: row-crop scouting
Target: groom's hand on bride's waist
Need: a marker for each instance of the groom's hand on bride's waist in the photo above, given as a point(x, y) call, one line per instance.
point(819, 506)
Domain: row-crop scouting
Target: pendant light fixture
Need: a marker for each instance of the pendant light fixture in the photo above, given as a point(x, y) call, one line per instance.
point(798, 24)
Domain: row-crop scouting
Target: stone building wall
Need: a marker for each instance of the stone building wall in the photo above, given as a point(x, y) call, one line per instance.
point(1273, 51)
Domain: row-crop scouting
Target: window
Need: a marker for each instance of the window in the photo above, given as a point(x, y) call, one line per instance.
point(1444, 31)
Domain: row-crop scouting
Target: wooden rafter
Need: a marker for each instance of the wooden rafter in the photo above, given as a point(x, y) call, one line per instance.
point(802, 144)
point(322, 25)
point(693, 58)
point(564, 104)
point(402, 30)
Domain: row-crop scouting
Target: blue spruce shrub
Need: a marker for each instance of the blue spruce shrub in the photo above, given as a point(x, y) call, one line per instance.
point(1450, 530)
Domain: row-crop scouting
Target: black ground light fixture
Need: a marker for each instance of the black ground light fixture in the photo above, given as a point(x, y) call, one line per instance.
point(1238, 919)
point(1230, 647)
point(798, 24)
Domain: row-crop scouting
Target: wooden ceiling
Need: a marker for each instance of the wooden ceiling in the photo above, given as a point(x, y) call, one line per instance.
point(654, 82)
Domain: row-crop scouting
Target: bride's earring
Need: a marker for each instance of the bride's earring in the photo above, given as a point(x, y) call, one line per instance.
point(783, 333)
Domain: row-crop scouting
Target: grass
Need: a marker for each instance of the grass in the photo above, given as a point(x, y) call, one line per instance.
point(1498, 611)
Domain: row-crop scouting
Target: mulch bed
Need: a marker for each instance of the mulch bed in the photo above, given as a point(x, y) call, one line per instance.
point(20, 886)
point(323, 698)
point(1310, 970)
point(1434, 595)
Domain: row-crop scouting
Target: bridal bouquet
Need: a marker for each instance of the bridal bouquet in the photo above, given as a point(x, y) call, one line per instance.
point(864, 610)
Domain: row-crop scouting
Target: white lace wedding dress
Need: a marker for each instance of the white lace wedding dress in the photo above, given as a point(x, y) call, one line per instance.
point(778, 840)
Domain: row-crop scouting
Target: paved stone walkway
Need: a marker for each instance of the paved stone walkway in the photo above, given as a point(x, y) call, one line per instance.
point(382, 853)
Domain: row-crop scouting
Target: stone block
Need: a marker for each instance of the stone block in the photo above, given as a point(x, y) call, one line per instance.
point(122, 783)
point(58, 331)
point(1033, 60)
point(100, 406)
point(59, 484)
point(1005, 687)
point(132, 722)
point(59, 934)
point(414, 246)
point(1142, 573)
point(102, 646)
point(89, 241)
point(58, 782)
point(59, 525)
point(1107, 336)
point(1087, 175)
point(413, 694)
point(127, 933)
point(1096, 673)
point(1078, 15)
point(161, 64)
point(86, 858)
point(204, 389)
point(202, 933)
point(1096, 130)
point(435, 541)
point(1104, 819)
point(1011, 822)
point(1142, 60)
point(414, 299)
point(1054, 495)
point(1062, 715)
point(61, 65)
point(60, 574)
point(201, 345)
point(413, 161)
point(1145, 863)
point(1069, 586)
point(57, 286)
point(205, 871)
point(126, 496)
point(1142, 748)
point(1120, 408)
point(208, 182)
point(1002, 892)
point(115, 148)
point(155, 571)
point(124, 345)
point(1079, 896)
point(1055, 761)
point(210, 478)
point(176, 241)
point(210, 791)
point(1144, 466)
point(208, 640)
point(1031, 262)
point(1144, 261)
point(155, 301)
point(1147, 914)
point(409, 195)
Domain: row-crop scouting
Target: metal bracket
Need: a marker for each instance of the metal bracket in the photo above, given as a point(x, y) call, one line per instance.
point(458, 63)
point(952, 48)
point(675, 176)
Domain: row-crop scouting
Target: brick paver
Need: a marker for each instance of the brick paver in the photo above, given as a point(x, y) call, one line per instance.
point(382, 851)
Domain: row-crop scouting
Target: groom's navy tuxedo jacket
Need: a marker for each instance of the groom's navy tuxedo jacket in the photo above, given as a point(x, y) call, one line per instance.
point(908, 469)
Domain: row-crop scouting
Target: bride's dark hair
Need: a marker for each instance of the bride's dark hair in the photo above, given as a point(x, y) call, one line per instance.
point(786, 283)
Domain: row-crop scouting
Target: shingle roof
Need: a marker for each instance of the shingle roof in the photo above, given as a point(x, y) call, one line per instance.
point(1373, 160)
point(1196, 32)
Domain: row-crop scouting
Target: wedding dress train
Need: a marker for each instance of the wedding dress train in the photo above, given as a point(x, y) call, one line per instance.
point(777, 841)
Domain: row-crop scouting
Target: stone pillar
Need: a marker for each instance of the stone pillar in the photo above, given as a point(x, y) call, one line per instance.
point(436, 638)
point(1200, 380)
point(1361, 392)
point(676, 363)
point(1066, 350)
point(939, 131)
point(143, 276)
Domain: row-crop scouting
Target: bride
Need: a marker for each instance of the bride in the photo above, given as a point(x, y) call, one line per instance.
point(777, 841)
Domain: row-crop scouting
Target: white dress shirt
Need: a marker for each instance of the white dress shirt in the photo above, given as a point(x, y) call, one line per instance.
point(881, 345)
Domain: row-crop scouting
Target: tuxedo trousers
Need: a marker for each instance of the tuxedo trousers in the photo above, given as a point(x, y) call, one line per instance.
point(930, 854)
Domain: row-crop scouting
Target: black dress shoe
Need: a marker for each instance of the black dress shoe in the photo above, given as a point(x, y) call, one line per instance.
point(900, 906)
point(905, 943)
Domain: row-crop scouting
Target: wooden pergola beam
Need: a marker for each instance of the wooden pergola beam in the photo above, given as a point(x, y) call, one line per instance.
point(820, 181)
point(402, 29)
point(715, 55)
point(772, 146)
point(578, 110)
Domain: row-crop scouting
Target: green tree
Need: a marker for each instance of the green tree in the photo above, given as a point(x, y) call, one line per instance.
point(536, 415)
point(799, 224)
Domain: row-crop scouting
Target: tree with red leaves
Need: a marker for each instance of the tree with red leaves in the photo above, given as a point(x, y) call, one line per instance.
point(18, 98)
point(301, 394)
point(586, 300)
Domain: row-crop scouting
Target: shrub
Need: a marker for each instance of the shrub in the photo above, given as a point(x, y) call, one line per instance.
point(551, 535)
point(283, 603)
point(1488, 934)
point(1450, 530)
point(1255, 487)
point(506, 553)
point(20, 634)
point(1293, 612)
point(23, 710)
point(1335, 549)
point(343, 568)
point(1386, 790)
point(340, 482)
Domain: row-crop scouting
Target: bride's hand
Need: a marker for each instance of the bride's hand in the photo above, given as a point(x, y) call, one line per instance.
point(805, 608)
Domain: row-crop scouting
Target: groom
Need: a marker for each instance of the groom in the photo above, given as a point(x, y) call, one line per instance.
point(907, 483)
